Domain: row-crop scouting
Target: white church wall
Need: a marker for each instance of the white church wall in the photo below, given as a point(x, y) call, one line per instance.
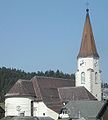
point(83, 65)
point(90, 66)
point(97, 87)
point(52, 114)
point(41, 110)
point(16, 106)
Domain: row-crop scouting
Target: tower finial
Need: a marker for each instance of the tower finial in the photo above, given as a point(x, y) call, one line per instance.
point(88, 47)
point(87, 9)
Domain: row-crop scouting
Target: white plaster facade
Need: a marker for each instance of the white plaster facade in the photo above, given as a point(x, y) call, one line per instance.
point(17, 106)
point(62, 115)
point(40, 110)
point(89, 75)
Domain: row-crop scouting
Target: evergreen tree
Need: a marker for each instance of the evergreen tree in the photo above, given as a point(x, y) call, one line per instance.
point(8, 77)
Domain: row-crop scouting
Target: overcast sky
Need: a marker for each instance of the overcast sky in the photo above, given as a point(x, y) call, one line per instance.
point(39, 35)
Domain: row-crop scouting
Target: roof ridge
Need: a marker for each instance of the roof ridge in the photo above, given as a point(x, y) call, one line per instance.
point(71, 87)
point(51, 77)
point(21, 80)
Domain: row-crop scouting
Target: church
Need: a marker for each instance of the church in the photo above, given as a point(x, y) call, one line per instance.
point(88, 72)
point(45, 96)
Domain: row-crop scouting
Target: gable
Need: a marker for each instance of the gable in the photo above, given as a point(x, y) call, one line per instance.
point(75, 93)
point(87, 109)
point(21, 88)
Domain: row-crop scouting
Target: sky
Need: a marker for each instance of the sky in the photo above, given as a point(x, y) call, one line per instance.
point(40, 35)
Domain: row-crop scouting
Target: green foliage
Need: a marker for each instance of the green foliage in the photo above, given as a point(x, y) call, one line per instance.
point(8, 77)
point(58, 74)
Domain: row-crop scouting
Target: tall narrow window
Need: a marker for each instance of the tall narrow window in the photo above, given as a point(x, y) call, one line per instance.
point(83, 78)
point(31, 108)
point(96, 77)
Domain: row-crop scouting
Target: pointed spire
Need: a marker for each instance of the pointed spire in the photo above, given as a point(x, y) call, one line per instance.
point(88, 47)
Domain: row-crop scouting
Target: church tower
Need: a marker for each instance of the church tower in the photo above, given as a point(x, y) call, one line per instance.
point(88, 73)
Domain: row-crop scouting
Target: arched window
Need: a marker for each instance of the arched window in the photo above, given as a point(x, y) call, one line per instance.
point(83, 78)
point(96, 77)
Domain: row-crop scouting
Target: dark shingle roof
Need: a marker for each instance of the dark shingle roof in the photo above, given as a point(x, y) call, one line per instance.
point(43, 89)
point(52, 91)
point(6, 118)
point(75, 93)
point(46, 90)
point(86, 109)
point(26, 118)
point(21, 88)
point(46, 87)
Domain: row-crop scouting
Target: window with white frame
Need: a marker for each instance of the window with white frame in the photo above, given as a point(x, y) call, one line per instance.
point(83, 78)
point(96, 77)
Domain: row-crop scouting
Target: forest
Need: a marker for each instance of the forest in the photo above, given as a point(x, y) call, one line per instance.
point(8, 77)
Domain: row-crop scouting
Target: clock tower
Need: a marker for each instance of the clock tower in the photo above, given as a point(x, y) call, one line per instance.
point(88, 73)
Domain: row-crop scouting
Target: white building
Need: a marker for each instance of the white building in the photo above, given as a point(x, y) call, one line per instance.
point(88, 72)
point(44, 96)
point(36, 97)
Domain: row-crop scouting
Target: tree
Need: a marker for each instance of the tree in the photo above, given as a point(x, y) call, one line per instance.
point(8, 77)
